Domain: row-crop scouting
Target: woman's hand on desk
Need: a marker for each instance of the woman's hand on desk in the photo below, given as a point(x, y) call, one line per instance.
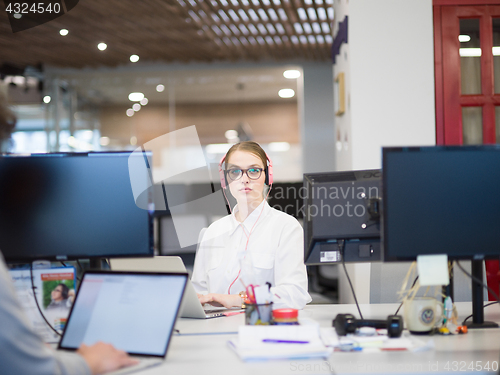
point(103, 358)
point(226, 300)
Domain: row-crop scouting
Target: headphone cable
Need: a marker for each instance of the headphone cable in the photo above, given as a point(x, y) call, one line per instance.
point(248, 236)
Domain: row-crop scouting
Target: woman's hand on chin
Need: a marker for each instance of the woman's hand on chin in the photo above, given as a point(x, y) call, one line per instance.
point(225, 300)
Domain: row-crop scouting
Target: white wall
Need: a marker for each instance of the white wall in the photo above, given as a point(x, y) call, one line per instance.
point(392, 77)
point(315, 102)
point(389, 69)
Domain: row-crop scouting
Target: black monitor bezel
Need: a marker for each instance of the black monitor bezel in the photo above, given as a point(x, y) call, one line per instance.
point(384, 228)
point(13, 259)
point(331, 241)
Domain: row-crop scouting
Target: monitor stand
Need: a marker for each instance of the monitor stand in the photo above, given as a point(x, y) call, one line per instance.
point(477, 298)
point(96, 264)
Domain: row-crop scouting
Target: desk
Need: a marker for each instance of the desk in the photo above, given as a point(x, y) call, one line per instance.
point(209, 354)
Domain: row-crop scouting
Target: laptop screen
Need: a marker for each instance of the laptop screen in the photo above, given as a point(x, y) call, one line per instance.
point(135, 312)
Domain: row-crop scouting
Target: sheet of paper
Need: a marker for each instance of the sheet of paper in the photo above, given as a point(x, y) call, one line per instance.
point(253, 335)
point(44, 282)
point(433, 269)
point(265, 352)
point(375, 343)
point(257, 343)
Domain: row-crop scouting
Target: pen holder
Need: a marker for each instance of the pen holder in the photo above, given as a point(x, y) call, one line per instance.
point(258, 314)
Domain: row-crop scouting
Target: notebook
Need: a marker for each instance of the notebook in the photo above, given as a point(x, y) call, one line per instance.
point(191, 307)
point(134, 311)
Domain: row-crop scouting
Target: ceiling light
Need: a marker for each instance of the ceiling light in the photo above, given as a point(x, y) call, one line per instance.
point(63, 32)
point(130, 112)
point(463, 38)
point(160, 88)
point(144, 101)
point(133, 140)
point(134, 58)
point(136, 107)
point(104, 141)
point(102, 46)
point(286, 93)
point(231, 134)
point(46, 99)
point(135, 96)
point(291, 73)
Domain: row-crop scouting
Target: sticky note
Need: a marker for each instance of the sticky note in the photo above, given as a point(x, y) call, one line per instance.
point(433, 269)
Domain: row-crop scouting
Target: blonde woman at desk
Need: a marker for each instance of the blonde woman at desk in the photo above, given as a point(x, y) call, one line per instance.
point(256, 244)
point(22, 350)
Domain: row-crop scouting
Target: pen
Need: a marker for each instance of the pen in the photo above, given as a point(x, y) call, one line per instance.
point(285, 341)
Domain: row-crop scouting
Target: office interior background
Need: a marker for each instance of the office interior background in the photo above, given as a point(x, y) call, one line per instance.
point(367, 80)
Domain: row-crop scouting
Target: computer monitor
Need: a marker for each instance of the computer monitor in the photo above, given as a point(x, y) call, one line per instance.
point(65, 206)
point(342, 217)
point(443, 200)
point(286, 197)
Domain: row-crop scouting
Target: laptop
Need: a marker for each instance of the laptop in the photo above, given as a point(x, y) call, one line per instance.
point(191, 307)
point(134, 311)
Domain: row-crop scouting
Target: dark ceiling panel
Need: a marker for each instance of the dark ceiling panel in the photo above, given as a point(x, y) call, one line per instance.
point(175, 31)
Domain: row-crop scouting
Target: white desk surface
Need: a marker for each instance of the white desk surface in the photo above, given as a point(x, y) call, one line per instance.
point(209, 353)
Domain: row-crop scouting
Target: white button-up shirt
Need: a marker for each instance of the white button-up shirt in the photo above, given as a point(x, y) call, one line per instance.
point(225, 263)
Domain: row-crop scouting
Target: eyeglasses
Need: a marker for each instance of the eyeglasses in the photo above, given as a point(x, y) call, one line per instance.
point(252, 173)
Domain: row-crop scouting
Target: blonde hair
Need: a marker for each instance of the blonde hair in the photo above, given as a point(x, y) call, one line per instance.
point(251, 147)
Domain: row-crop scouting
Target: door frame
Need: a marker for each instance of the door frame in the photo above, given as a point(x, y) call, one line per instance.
point(447, 90)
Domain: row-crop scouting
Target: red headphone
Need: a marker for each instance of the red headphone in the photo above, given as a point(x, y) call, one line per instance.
point(268, 169)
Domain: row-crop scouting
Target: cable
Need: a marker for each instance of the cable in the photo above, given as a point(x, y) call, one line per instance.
point(482, 284)
point(36, 301)
point(479, 282)
point(373, 222)
point(242, 227)
point(412, 285)
point(341, 248)
point(470, 316)
point(248, 236)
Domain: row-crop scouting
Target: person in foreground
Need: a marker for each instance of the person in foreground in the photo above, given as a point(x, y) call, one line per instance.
point(254, 245)
point(22, 351)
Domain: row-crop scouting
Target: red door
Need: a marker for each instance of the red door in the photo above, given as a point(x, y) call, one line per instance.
point(467, 68)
